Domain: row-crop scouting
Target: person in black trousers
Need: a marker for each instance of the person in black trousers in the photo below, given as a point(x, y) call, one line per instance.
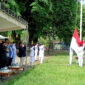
point(3, 55)
point(24, 51)
point(0, 53)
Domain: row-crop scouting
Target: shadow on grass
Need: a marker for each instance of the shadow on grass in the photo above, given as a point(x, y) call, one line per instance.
point(56, 53)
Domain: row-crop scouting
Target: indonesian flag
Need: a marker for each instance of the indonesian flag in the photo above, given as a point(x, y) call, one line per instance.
point(76, 44)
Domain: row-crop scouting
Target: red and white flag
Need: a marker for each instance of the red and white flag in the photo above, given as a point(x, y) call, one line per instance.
point(76, 45)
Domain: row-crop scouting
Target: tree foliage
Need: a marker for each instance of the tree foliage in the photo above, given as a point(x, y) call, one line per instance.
point(55, 17)
point(47, 17)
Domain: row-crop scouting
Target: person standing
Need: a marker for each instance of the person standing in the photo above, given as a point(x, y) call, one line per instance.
point(10, 55)
point(21, 54)
point(24, 51)
point(7, 50)
point(41, 53)
point(3, 55)
point(31, 55)
point(36, 52)
point(14, 53)
point(7, 46)
point(0, 52)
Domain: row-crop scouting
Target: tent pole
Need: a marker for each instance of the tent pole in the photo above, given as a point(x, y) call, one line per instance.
point(81, 22)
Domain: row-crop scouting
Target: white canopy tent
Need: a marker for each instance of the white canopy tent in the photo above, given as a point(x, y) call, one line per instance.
point(10, 21)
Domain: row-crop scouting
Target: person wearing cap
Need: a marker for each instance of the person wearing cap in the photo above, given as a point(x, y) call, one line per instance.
point(41, 53)
point(36, 52)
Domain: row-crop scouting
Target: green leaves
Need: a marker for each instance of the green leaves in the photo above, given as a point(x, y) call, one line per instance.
point(33, 4)
point(57, 15)
point(13, 6)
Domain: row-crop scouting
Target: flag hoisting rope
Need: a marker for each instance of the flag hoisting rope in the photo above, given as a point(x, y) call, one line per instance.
point(81, 22)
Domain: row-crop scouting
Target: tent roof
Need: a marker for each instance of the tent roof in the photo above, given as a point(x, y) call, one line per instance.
point(10, 21)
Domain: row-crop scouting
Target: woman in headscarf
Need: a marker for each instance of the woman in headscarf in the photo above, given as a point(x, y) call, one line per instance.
point(31, 55)
point(14, 53)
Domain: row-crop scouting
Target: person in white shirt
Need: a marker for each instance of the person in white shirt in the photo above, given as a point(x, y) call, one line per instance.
point(14, 53)
point(31, 55)
point(36, 52)
point(41, 53)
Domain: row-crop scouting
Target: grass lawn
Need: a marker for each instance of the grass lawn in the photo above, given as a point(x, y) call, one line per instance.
point(54, 71)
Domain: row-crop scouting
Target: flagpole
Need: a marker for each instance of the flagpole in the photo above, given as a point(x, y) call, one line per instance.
point(81, 21)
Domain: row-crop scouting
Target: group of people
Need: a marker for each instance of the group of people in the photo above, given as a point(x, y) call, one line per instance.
point(36, 52)
point(8, 53)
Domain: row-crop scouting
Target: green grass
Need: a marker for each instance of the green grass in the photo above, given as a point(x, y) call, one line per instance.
point(54, 71)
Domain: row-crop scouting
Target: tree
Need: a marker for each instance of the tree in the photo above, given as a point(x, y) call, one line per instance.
point(47, 17)
point(11, 4)
point(55, 17)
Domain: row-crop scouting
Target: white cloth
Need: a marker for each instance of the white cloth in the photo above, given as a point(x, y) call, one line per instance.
point(36, 52)
point(41, 53)
point(79, 55)
point(14, 53)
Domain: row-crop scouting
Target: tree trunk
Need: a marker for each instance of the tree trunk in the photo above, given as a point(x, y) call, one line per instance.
point(16, 38)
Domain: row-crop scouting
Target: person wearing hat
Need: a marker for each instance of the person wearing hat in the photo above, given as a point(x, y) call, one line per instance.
point(41, 53)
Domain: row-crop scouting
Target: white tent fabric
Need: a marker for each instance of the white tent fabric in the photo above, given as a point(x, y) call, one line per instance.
point(2, 37)
point(8, 23)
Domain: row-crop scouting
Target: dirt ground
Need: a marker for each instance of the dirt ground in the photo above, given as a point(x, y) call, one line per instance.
point(47, 54)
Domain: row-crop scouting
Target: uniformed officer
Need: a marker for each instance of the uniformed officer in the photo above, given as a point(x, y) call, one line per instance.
point(36, 52)
point(41, 53)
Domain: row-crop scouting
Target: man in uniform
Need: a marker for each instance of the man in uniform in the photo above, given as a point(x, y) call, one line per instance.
point(41, 53)
point(36, 51)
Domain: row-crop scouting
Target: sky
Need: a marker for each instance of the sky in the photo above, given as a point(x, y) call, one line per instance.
point(82, 1)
